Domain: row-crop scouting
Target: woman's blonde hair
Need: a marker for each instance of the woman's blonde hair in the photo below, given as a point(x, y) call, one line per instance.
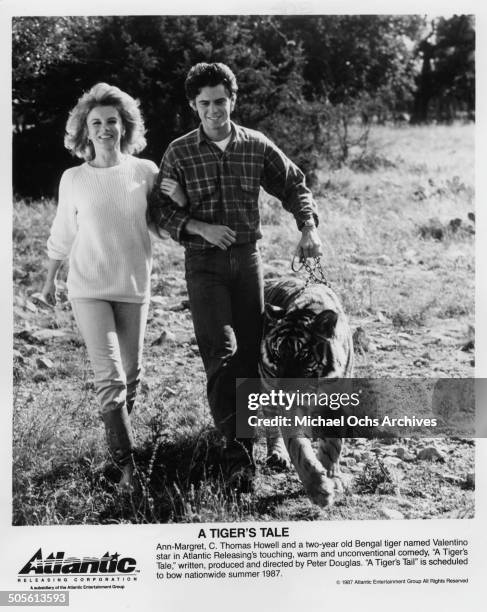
point(102, 94)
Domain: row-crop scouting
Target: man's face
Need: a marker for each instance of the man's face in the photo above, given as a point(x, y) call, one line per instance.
point(214, 106)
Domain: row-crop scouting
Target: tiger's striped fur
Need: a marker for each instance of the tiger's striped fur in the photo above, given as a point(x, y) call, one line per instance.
point(305, 335)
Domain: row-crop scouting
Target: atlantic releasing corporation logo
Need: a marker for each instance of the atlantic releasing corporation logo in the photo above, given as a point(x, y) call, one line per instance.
point(56, 567)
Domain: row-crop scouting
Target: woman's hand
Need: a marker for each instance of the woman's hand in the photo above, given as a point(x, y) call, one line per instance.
point(48, 293)
point(174, 190)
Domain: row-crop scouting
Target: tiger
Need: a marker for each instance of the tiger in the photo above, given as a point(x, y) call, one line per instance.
point(305, 335)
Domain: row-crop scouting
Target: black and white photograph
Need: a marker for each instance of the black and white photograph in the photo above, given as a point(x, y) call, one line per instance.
point(253, 144)
point(205, 204)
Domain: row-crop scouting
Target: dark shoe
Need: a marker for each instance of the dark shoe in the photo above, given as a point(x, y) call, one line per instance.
point(241, 479)
point(239, 465)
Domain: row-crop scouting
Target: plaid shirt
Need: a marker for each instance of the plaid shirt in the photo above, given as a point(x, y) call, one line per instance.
point(222, 187)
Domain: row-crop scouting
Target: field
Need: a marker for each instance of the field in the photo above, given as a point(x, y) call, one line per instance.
point(399, 250)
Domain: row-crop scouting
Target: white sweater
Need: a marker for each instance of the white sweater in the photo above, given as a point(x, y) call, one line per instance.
point(101, 225)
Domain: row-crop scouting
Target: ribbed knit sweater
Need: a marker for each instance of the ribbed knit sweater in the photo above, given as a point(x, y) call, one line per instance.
point(101, 226)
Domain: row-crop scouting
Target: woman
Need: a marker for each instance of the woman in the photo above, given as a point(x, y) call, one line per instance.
point(101, 226)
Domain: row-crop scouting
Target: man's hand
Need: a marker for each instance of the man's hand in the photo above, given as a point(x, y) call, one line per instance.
point(174, 190)
point(220, 236)
point(310, 243)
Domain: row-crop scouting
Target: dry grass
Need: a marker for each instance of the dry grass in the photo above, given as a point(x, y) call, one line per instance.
point(393, 276)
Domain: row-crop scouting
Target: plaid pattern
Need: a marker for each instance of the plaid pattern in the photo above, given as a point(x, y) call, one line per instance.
point(222, 187)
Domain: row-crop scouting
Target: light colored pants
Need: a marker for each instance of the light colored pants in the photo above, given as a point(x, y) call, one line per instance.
point(114, 334)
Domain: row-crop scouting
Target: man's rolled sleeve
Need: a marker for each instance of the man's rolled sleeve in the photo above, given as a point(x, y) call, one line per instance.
point(162, 211)
point(284, 180)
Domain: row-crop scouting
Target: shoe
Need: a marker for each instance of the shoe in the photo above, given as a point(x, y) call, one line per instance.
point(241, 479)
point(238, 465)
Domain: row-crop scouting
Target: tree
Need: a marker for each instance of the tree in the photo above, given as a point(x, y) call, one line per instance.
point(149, 57)
point(446, 83)
point(347, 55)
point(303, 80)
point(42, 92)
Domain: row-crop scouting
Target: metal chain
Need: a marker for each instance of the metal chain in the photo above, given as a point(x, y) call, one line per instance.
point(313, 269)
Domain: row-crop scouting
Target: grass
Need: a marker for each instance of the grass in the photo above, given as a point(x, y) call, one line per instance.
point(395, 274)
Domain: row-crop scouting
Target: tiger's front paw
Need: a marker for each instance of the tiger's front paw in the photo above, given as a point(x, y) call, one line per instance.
point(277, 455)
point(342, 482)
point(321, 491)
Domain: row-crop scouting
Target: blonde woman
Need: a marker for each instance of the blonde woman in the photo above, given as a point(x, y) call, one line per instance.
point(101, 226)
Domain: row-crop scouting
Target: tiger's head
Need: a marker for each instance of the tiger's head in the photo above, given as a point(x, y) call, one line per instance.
point(299, 344)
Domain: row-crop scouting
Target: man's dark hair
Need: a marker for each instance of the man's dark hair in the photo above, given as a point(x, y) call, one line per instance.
point(209, 75)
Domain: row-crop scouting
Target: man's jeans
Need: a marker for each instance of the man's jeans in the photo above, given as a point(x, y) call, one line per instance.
point(226, 297)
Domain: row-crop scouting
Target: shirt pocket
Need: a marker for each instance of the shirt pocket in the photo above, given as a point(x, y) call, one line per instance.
point(249, 184)
point(201, 188)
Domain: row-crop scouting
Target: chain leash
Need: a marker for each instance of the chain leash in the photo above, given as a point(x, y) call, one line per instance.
point(313, 269)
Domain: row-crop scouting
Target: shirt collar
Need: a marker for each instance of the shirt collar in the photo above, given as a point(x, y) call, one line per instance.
point(202, 137)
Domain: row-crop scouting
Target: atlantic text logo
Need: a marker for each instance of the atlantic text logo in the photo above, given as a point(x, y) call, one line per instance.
point(58, 563)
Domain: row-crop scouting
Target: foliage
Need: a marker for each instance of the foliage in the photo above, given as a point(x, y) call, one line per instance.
point(455, 58)
point(149, 57)
point(39, 43)
point(47, 77)
point(304, 81)
point(413, 297)
point(348, 55)
point(446, 83)
point(376, 477)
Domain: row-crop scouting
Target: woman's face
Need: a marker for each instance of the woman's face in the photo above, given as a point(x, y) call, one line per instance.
point(105, 128)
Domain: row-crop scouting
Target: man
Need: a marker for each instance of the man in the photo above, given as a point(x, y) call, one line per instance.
point(220, 167)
